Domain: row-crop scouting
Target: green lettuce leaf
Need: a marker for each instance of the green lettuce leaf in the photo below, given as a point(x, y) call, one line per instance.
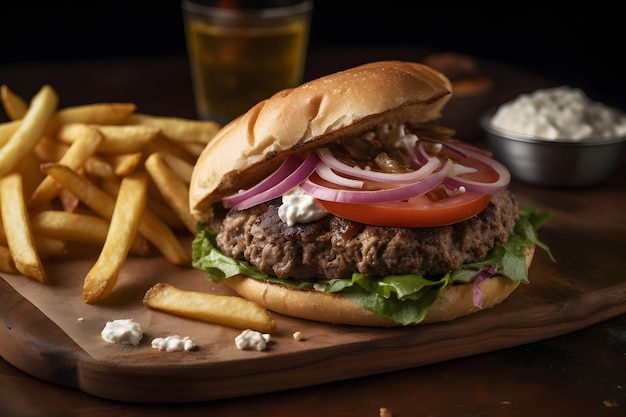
point(404, 299)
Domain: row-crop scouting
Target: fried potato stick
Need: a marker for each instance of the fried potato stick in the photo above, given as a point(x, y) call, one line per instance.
point(17, 228)
point(14, 105)
point(178, 129)
point(95, 113)
point(225, 310)
point(81, 228)
point(118, 139)
point(182, 168)
point(125, 163)
point(32, 126)
point(129, 205)
point(49, 247)
point(7, 129)
point(78, 152)
point(151, 227)
point(174, 190)
point(7, 264)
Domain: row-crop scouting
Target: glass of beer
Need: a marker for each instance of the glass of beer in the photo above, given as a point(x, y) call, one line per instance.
point(243, 51)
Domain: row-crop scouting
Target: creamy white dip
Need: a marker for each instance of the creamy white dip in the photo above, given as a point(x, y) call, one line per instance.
point(123, 331)
point(560, 113)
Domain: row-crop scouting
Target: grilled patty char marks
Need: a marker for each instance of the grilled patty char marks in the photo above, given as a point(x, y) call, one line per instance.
point(333, 247)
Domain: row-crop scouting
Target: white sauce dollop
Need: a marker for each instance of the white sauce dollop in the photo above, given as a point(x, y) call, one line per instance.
point(174, 343)
point(252, 340)
point(560, 113)
point(299, 207)
point(123, 331)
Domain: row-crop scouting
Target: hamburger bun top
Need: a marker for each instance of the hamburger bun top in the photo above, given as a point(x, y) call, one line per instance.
point(311, 116)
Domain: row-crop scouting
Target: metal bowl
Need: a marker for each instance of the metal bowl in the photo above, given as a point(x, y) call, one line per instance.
point(554, 163)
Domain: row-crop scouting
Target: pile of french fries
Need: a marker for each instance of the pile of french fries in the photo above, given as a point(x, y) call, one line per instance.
point(100, 174)
point(105, 175)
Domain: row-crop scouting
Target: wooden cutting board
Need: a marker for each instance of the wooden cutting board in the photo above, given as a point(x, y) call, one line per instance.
point(586, 285)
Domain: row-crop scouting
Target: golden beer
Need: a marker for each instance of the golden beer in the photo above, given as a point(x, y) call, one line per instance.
point(234, 66)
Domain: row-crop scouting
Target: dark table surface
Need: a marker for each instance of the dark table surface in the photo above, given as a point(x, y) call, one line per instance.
point(580, 373)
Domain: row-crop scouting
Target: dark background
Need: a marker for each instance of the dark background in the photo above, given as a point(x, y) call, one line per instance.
point(580, 47)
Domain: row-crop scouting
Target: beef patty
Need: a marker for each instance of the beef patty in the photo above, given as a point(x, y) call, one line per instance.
point(333, 247)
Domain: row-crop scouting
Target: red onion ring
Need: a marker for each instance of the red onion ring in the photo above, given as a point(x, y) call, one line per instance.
point(327, 173)
point(284, 170)
point(405, 192)
point(291, 181)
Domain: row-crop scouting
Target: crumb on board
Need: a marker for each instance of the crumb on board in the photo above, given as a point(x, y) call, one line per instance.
point(297, 336)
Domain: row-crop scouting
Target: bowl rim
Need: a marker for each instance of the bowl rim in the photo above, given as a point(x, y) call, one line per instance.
point(485, 124)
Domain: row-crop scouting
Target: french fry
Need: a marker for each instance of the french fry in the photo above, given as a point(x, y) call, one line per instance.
point(174, 190)
point(85, 190)
point(81, 228)
point(78, 152)
point(131, 201)
point(30, 130)
point(163, 145)
point(7, 265)
point(151, 227)
point(178, 129)
point(17, 228)
point(7, 129)
point(182, 168)
point(69, 202)
point(3, 237)
point(96, 166)
point(126, 163)
point(162, 237)
point(96, 113)
point(14, 105)
point(104, 175)
point(225, 310)
point(48, 247)
point(164, 212)
point(117, 139)
point(28, 167)
point(157, 205)
point(194, 148)
point(48, 149)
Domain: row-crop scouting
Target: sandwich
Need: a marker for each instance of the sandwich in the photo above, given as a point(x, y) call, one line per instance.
point(343, 201)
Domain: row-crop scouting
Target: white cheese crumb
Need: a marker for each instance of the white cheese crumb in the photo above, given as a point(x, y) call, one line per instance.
point(123, 331)
point(174, 343)
point(297, 336)
point(252, 340)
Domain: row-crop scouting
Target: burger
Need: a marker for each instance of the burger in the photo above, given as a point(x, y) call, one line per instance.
point(343, 201)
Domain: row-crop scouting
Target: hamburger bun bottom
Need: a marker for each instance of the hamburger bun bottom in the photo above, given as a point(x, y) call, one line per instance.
point(455, 301)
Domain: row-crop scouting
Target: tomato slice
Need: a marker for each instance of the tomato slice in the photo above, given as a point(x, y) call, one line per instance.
point(419, 211)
